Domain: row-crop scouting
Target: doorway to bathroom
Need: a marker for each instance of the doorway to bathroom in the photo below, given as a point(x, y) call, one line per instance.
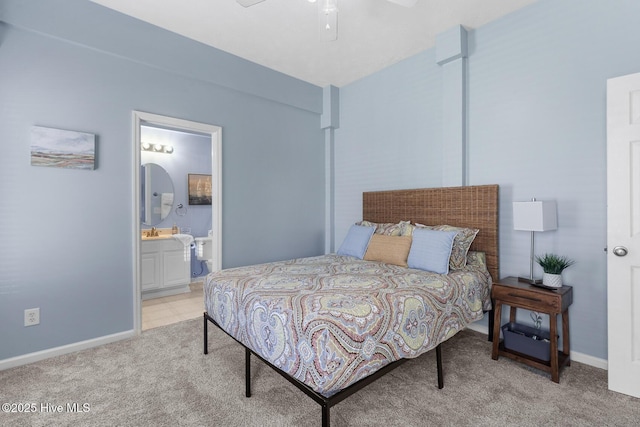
point(177, 173)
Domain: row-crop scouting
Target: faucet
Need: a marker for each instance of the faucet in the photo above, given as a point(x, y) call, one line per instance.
point(154, 232)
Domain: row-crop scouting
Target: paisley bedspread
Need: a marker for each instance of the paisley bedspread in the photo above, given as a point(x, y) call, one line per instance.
point(331, 320)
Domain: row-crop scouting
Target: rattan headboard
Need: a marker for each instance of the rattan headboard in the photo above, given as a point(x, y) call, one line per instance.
point(472, 206)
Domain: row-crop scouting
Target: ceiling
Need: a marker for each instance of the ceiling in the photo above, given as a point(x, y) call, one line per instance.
point(284, 34)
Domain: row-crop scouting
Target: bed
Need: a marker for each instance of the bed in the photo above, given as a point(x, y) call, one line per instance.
point(334, 323)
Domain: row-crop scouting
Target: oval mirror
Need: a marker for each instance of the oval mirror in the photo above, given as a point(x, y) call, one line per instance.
point(156, 194)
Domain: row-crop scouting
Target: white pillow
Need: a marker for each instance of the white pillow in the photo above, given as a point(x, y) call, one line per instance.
point(430, 250)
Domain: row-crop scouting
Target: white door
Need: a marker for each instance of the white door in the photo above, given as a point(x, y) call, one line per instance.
point(623, 233)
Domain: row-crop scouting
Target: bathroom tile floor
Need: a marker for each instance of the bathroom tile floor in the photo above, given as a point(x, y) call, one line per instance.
point(172, 309)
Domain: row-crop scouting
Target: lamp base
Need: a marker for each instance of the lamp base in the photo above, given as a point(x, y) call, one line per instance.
point(529, 280)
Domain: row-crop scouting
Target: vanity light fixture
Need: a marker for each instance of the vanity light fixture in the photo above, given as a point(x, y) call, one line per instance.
point(156, 148)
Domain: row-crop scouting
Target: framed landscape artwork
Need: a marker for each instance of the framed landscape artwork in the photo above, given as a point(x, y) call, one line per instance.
point(199, 189)
point(62, 148)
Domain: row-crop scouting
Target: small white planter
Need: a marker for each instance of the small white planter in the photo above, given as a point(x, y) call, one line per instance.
point(552, 280)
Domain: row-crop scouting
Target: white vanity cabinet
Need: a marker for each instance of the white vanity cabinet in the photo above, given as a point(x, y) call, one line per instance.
point(166, 268)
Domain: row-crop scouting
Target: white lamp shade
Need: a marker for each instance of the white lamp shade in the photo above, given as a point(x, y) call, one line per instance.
point(535, 215)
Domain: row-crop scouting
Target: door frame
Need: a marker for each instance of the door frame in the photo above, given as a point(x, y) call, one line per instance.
point(215, 132)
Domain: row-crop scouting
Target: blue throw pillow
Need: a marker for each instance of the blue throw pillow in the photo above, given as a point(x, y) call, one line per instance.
point(357, 241)
point(430, 250)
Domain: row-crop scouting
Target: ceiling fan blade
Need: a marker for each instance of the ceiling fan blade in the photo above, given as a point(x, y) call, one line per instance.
point(247, 3)
point(405, 3)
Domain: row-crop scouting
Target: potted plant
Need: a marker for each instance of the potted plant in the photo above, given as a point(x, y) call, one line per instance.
point(553, 265)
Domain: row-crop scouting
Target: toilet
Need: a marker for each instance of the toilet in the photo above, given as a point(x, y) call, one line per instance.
point(204, 250)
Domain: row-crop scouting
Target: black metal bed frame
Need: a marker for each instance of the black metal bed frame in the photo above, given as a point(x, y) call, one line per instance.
point(325, 402)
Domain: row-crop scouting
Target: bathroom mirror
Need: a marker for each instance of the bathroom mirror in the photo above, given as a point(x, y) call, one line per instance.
point(156, 194)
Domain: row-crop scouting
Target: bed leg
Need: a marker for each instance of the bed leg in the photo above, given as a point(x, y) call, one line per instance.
point(206, 347)
point(326, 421)
point(247, 372)
point(439, 363)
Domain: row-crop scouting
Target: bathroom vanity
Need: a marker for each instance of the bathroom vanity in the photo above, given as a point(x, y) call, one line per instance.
point(166, 267)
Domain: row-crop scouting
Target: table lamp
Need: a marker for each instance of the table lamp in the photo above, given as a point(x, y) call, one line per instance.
point(533, 216)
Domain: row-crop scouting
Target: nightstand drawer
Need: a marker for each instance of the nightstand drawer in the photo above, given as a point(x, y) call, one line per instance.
point(529, 299)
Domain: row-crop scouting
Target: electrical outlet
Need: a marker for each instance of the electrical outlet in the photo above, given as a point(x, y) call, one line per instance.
point(32, 316)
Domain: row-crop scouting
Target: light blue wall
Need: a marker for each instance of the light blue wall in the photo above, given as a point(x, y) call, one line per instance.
point(66, 236)
point(538, 98)
point(536, 126)
point(390, 135)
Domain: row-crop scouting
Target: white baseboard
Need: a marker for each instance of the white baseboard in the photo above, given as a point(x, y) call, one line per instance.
point(575, 356)
point(590, 360)
point(65, 349)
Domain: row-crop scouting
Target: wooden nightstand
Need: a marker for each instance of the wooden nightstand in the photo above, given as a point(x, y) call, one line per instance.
point(517, 294)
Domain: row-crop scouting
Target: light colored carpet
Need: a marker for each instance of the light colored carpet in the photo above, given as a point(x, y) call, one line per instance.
point(162, 378)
